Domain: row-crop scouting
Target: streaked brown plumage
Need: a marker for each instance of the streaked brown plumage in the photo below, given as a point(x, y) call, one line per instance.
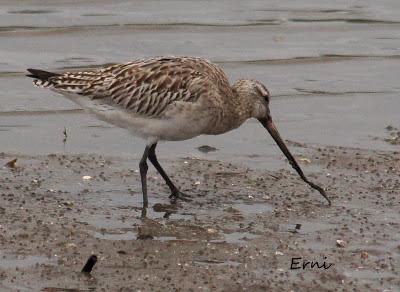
point(167, 98)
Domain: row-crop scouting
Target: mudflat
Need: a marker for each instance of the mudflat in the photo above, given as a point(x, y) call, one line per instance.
point(245, 228)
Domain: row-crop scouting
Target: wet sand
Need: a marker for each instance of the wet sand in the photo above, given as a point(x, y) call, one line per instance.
point(240, 232)
point(332, 69)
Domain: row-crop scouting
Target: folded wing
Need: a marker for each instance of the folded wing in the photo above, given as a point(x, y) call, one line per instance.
point(143, 87)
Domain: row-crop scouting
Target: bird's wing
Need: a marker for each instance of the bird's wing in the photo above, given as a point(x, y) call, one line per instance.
point(145, 87)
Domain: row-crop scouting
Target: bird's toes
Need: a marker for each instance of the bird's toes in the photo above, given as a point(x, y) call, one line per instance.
point(178, 195)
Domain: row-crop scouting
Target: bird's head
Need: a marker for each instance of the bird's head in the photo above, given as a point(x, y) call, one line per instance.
point(257, 98)
point(256, 95)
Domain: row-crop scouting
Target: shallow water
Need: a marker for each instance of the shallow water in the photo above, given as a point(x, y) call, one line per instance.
point(12, 261)
point(332, 70)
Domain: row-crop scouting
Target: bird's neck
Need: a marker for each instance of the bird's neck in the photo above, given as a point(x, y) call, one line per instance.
point(240, 107)
point(234, 112)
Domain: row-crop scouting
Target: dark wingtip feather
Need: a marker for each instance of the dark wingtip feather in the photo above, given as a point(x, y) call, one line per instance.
point(40, 74)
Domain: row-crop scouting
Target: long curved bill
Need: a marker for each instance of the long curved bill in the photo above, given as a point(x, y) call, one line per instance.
point(270, 126)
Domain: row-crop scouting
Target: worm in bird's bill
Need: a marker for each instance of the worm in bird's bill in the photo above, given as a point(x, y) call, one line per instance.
point(270, 126)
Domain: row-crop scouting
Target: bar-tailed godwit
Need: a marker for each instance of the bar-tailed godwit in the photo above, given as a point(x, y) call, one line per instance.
point(168, 99)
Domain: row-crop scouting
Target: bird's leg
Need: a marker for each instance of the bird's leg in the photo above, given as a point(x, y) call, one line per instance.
point(143, 175)
point(175, 193)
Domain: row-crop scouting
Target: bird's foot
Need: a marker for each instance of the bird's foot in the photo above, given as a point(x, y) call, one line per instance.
point(178, 195)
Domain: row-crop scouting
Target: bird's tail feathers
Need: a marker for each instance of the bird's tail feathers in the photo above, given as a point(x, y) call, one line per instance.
point(42, 77)
point(91, 83)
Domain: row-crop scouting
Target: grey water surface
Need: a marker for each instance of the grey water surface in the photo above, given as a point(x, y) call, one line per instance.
point(332, 69)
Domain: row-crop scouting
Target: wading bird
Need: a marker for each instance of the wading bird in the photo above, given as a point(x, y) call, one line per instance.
point(168, 99)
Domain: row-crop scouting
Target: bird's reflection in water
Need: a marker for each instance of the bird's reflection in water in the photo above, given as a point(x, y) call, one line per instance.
point(168, 210)
point(144, 212)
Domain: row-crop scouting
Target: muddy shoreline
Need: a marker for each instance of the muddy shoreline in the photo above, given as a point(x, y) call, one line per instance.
point(240, 232)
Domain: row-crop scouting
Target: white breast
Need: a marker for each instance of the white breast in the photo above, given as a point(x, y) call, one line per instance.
point(179, 125)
